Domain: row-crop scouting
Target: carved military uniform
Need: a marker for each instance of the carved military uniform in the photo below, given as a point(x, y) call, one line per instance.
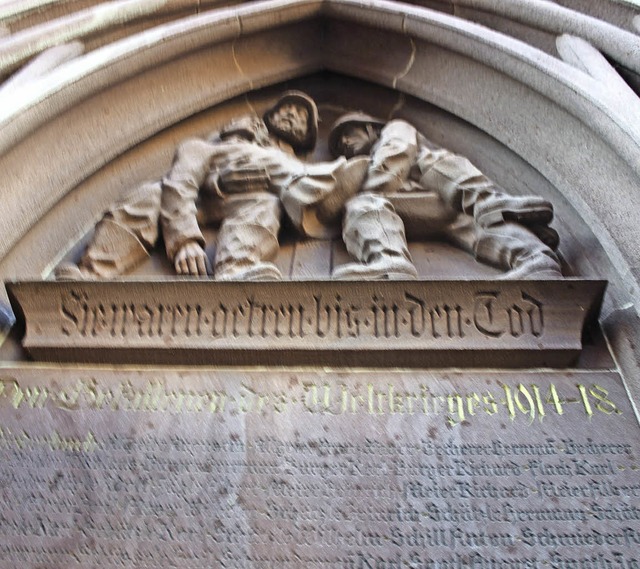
point(235, 179)
point(437, 194)
point(238, 184)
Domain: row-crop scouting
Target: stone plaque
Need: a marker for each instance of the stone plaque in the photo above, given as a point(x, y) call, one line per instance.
point(412, 323)
point(300, 469)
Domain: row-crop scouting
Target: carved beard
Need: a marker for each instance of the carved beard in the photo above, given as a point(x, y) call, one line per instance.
point(294, 135)
point(297, 132)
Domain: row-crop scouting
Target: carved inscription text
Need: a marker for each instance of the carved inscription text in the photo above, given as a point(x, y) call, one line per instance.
point(124, 469)
point(487, 313)
point(383, 324)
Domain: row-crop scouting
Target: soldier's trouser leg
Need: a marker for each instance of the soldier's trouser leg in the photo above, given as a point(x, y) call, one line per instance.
point(508, 246)
point(124, 235)
point(467, 190)
point(248, 238)
point(374, 235)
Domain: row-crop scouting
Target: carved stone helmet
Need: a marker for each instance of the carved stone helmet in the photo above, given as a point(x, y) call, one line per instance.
point(250, 128)
point(303, 100)
point(349, 119)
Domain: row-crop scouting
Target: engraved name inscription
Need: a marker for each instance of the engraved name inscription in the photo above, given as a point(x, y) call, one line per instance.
point(282, 475)
point(485, 313)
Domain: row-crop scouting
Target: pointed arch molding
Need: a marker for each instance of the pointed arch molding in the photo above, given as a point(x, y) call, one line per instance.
point(578, 133)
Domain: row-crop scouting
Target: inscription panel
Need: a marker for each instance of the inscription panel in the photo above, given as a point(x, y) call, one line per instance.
point(302, 470)
point(412, 323)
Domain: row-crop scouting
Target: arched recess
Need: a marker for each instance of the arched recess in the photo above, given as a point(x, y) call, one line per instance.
point(567, 125)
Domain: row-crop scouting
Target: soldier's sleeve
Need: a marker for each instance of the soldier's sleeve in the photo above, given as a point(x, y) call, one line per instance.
point(392, 157)
point(180, 189)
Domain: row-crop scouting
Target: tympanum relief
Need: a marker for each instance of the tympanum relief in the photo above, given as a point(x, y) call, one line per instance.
point(386, 180)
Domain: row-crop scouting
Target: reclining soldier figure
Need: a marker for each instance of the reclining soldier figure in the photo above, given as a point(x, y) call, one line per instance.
point(435, 194)
point(235, 178)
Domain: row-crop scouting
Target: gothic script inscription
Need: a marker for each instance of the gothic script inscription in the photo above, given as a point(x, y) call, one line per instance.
point(306, 470)
point(459, 322)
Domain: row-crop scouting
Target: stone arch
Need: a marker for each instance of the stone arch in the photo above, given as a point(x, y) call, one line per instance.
point(574, 122)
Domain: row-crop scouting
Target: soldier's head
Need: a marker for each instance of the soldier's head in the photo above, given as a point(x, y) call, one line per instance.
point(294, 119)
point(249, 128)
point(354, 134)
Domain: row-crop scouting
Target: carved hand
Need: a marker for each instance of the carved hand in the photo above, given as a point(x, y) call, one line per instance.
point(191, 260)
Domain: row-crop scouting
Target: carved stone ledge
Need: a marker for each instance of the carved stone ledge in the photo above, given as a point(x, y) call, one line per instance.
point(461, 323)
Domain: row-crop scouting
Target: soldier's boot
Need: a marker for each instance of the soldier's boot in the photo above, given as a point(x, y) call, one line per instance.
point(467, 190)
point(374, 235)
point(113, 251)
point(493, 208)
point(122, 238)
point(548, 235)
point(315, 201)
point(534, 266)
point(248, 239)
point(517, 250)
point(531, 211)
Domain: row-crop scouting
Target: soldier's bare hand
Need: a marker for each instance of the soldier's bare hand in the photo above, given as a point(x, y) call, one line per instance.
point(191, 260)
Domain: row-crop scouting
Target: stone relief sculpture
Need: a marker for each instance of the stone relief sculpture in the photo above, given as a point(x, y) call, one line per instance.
point(234, 178)
point(465, 208)
point(247, 175)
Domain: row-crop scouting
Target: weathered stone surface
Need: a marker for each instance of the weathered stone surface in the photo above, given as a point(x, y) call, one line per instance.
point(303, 470)
point(459, 323)
point(42, 64)
point(342, 467)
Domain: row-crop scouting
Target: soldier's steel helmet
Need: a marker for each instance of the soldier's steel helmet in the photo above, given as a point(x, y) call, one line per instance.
point(338, 128)
point(303, 100)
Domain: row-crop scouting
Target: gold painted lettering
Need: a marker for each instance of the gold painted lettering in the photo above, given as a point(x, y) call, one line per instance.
point(509, 401)
point(527, 409)
point(455, 404)
point(585, 400)
point(491, 405)
point(473, 402)
point(602, 401)
point(554, 399)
